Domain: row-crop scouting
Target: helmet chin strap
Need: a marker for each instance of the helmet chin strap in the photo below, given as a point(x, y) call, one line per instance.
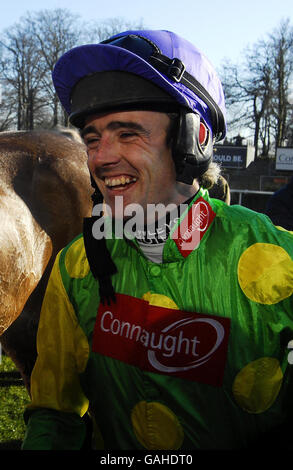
point(99, 258)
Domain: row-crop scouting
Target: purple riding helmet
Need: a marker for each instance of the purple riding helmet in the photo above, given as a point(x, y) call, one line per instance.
point(148, 70)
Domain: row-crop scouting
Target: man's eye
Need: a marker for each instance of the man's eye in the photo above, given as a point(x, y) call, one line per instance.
point(92, 142)
point(125, 135)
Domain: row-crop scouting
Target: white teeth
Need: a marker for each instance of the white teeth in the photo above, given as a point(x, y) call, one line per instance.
point(118, 181)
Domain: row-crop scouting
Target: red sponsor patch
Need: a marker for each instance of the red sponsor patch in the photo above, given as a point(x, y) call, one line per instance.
point(189, 345)
point(192, 228)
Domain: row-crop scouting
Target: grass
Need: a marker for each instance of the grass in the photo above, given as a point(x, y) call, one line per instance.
point(13, 399)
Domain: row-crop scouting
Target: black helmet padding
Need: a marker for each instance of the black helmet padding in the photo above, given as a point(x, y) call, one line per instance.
point(113, 90)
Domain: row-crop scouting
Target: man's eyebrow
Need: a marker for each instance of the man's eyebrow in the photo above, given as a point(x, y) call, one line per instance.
point(114, 125)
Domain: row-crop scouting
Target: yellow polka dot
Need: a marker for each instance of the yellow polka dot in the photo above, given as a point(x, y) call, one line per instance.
point(156, 426)
point(159, 300)
point(257, 385)
point(76, 262)
point(265, 273)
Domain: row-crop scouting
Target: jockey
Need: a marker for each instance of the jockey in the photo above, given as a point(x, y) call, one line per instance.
point(168, 318)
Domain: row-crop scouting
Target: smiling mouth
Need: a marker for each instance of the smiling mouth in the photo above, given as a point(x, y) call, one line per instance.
point(119, 182)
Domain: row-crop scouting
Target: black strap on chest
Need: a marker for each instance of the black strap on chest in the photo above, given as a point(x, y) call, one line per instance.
point(98, 256)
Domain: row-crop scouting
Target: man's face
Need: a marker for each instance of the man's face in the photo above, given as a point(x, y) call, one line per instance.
point(128, 156)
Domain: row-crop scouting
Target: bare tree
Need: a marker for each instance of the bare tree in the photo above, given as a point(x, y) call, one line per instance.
point(7, 111)
point(257, 90)
point(20, 67)
point(248, 89)
point(55, 31)
point(281, 44)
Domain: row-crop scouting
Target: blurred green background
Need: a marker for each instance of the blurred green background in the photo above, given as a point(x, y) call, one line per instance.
point(13, 400)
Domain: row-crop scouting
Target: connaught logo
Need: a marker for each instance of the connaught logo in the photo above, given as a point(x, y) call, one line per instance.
point(161, 340)
point(191, 364)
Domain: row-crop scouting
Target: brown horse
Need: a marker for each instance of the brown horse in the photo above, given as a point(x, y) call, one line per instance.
point(44, 194)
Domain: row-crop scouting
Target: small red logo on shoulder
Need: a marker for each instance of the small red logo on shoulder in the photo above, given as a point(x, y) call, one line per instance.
point(191, 230)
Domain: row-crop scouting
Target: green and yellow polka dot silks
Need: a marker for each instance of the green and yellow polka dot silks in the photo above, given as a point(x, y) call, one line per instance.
point(241, 274)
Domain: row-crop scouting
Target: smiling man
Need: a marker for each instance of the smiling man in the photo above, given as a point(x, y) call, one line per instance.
point(128, 155)
point(174, 336)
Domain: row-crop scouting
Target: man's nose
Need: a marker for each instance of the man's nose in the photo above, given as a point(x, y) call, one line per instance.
point(106, 153)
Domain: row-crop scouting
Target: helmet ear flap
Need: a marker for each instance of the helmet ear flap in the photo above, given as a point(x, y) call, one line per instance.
point(192, 147)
